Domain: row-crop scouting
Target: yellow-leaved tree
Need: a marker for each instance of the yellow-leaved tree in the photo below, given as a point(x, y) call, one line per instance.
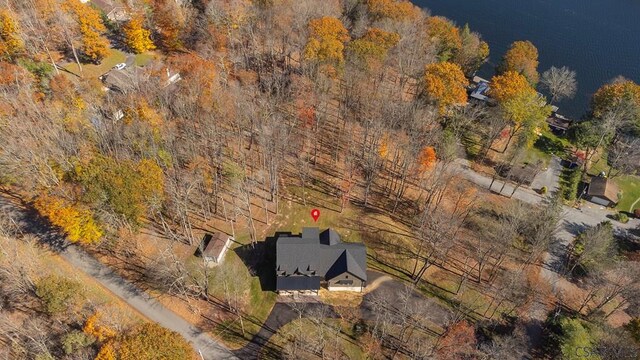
point(327, 36)
point(521, 104)
point(445, 35)
point(372, 47)
point(95, 47)
point(136, 36)
point(107, 352)
point(94, 326)
point(10, 42)
point(522, 57)
point(151, 341)
point(77, 223)
point(609, 96)
point(445, 84)
point(398, 10)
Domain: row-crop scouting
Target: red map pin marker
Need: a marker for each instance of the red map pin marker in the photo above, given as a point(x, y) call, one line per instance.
point(315, 214)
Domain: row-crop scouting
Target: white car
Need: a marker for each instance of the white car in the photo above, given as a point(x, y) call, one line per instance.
point(120, 66)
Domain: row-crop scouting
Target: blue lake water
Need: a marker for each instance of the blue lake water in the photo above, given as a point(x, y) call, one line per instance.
point(599, 39)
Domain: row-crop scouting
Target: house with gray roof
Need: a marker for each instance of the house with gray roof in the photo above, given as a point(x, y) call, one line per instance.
point(307, 261)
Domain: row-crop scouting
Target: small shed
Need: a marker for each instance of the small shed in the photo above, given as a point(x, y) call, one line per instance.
point(602, 191)
point(215, 246)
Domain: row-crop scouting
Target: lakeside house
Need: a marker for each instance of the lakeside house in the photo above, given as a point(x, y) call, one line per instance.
point(479, 90)
point(602, 191)
point(312, 259)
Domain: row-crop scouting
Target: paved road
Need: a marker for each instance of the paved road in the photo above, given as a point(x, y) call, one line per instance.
point(572, 223)
point(550, 178)
point(136, 298)
point(142, 302)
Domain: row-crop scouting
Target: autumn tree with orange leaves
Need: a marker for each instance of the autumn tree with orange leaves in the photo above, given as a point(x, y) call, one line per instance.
point(170, 22)
point(613, 95)
point(458, 342)
point(426, 159)
point(398, 10)
point(327, 36)
point(445, 85)
point(522, 57)
point(445, 35)
point(78, 224)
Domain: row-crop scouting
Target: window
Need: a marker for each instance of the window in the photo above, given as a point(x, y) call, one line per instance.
point(344, 282)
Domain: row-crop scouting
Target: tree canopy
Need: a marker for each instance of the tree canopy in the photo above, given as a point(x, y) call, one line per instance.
point(136, 36)
point(94, 46)
point(445, 84)
point(445, 35)
point(522, 57)
point(373, 46)
point(10, 42)
point(327, 36)
point(151, 341)
point(398, 10)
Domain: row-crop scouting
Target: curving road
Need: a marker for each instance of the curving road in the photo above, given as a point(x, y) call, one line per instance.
point(208, 348)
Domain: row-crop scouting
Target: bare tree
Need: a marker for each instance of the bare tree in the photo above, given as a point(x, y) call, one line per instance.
point(560, 82)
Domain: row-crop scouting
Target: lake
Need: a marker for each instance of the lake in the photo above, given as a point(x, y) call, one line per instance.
point(599, 39)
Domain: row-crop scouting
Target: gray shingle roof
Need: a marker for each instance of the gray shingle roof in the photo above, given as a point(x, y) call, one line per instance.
point(298, 282)
point(319, 254)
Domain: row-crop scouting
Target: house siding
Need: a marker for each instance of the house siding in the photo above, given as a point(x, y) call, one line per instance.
point(345, 282)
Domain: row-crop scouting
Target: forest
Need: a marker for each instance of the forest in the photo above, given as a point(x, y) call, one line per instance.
point(130, 128)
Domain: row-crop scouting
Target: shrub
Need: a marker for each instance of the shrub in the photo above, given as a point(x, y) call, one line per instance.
point(636, 213)
point(58, 293)
point(570, 182)
point(543, 190)
point(634, 327)
point(151, 341)
point(75, 341)
point(621, 217)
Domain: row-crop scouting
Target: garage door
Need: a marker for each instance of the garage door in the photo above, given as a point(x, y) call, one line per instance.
point(600, 201)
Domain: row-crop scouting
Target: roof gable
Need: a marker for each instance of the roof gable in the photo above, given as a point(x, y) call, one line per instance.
point(319, 254)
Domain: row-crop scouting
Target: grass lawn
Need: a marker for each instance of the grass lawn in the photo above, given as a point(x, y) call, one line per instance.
point(629, 186)
point(342, 347)
point(547, 145)
point(94, 71)
point(144, 58)
point(256, 303)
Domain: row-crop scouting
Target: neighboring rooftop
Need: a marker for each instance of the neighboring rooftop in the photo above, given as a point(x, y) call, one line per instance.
point(602, 187)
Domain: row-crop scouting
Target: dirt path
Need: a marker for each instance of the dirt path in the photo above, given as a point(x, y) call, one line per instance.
point(134, 297)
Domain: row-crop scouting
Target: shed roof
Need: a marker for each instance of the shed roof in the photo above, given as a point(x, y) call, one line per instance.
point(216, 244)
point(601, 186)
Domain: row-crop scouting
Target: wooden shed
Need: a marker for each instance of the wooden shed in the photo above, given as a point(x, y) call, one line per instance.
point(602, 191)
point(215, 246)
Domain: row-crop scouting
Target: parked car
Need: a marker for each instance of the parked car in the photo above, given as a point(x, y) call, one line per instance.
point(120, 66)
